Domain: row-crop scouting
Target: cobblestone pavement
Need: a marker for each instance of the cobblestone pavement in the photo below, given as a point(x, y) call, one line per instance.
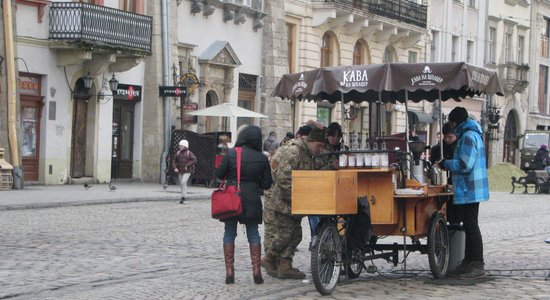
point(161, 250)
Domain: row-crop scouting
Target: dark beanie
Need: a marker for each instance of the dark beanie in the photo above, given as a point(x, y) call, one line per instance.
point(458, 115)
point(317, 135)
point(304, 130)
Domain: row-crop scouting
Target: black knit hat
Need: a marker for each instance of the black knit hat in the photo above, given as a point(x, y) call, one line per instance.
point(317, 135)
point(458, 115)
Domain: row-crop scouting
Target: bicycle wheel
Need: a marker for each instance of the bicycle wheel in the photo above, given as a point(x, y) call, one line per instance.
point(438, 246)
point(325, 259)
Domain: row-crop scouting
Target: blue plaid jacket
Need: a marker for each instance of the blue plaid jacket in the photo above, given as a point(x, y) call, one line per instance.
point(468, 165)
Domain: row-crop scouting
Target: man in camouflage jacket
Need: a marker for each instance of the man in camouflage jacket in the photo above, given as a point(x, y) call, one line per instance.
point(286, 229)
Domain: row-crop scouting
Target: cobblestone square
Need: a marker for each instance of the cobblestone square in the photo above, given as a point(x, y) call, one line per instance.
point(162, 250)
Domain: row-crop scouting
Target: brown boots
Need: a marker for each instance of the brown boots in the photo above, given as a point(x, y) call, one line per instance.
point(229, 254)
point(255, 255)
point(286, 271)
point(269, 262)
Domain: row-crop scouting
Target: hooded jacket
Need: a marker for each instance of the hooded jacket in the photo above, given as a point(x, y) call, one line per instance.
point(255, 173)
point(468, 166)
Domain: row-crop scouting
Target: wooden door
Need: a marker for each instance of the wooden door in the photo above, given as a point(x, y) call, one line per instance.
point(123, 140)
point(31, 111)
point(80, 121)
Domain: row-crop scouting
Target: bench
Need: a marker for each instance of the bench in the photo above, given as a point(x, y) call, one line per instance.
point(537, 179)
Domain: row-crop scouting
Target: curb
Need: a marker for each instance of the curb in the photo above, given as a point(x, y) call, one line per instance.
point(96, 202)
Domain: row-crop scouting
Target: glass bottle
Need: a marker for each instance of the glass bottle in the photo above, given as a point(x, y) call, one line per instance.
point(384, 158)
point(375, 156)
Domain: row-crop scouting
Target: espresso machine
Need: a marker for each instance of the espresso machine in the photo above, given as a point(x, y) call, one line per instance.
point(417, 165)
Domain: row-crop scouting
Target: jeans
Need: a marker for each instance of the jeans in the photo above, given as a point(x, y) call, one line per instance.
point(183, 183)
point(468, 213)
point(230, 233)
point(313, 224)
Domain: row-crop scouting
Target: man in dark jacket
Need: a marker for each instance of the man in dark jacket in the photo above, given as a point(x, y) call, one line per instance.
point(271, 144)
point(542, 160)
point(255, 176)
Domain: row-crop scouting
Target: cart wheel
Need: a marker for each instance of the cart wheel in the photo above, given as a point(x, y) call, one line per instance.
point(438, 246)
point(355, 268)
point(325, 259)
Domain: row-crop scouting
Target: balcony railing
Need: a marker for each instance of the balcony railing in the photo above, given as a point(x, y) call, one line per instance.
point(100, 26)
point(401, 10)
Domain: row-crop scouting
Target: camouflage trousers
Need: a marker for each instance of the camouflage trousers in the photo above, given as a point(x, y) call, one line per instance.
point(282, 233)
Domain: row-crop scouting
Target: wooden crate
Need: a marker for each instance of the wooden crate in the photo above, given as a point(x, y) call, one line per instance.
point(324, 192)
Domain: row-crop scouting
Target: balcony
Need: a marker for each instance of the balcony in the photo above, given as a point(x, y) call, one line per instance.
point(514, 77)
point(399, 10)
point(87, 26)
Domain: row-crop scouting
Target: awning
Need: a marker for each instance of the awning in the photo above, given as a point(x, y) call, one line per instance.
point(419, 117)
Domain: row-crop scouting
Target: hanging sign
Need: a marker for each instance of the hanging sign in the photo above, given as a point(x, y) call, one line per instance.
point(128, 92)
point(172, 91)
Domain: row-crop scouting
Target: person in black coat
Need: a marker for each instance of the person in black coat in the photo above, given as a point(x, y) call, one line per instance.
point(255, 177)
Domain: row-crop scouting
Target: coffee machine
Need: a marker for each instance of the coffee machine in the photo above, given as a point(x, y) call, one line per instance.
point(417, 165)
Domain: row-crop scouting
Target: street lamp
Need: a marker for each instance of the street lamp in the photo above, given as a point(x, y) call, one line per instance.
point(493, 116)
point(101, 97)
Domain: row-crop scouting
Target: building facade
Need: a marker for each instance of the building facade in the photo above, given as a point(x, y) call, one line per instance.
point(539, 106)
point(69, 130)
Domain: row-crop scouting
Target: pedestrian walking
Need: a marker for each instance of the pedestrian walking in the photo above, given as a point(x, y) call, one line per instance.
point(469, 176)
point(255, 176)
point(183, 164)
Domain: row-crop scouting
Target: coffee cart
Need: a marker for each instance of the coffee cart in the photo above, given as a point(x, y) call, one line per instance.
point(409, 207)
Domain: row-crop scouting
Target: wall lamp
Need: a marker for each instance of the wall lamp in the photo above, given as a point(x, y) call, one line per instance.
point(101, 97)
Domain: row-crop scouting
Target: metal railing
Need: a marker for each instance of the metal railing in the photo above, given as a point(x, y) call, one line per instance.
point(100, 26)
point(401, 10)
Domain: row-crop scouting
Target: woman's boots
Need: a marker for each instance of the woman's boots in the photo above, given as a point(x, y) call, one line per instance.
point(256, 255)
point(229, 254)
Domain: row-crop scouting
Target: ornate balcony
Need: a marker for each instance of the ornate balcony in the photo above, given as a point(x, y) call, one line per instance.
point(87, 26)
point(514, 77)
point(399, 10)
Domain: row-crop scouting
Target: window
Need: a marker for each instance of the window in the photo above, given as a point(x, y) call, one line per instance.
point(508, 47)
point(470, 52)
point(521, 49)
point(413, 57)
point(472, 3)
point(434, 47)
point(358, 54)
point(324, 112)
point(326, 50)
point(291, 38)
point(247, 95)
point(491, 45)
point(389, 54)
point(545, 33)
point(135, 6)
point(454, 48)
point(543, 90)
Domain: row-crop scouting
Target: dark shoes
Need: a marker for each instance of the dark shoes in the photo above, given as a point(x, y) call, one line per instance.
point(476, 270)
point(468, 270)
point(183, 200)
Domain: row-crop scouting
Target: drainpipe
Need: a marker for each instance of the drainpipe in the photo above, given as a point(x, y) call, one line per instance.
point(12, 96)
point(165, 81)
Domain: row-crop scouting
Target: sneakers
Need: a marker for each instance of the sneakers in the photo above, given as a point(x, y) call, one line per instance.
point(476, 270)
point(183, 200)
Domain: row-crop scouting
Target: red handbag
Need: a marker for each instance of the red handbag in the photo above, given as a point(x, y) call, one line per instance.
point(226, 200)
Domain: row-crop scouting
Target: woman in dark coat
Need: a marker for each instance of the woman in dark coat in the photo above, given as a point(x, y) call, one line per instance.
point(255, 177)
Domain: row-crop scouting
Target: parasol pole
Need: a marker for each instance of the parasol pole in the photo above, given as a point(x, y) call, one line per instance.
point(407, 131)
point(440, 125)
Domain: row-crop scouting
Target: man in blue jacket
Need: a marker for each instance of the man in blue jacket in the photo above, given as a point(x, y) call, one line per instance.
point(469, 177)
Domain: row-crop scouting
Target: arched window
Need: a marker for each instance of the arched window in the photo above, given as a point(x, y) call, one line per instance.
point(358, 58)
point(326, 51)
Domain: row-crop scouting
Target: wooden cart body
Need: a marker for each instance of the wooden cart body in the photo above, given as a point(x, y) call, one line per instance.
point(336, 193)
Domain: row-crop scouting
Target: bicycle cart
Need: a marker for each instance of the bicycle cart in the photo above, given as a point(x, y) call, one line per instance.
point(336, 196)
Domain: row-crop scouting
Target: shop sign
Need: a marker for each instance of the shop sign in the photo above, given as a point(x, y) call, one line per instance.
point(128, 92)
point(29, 84)
point(172, 91)
point(186, 108)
